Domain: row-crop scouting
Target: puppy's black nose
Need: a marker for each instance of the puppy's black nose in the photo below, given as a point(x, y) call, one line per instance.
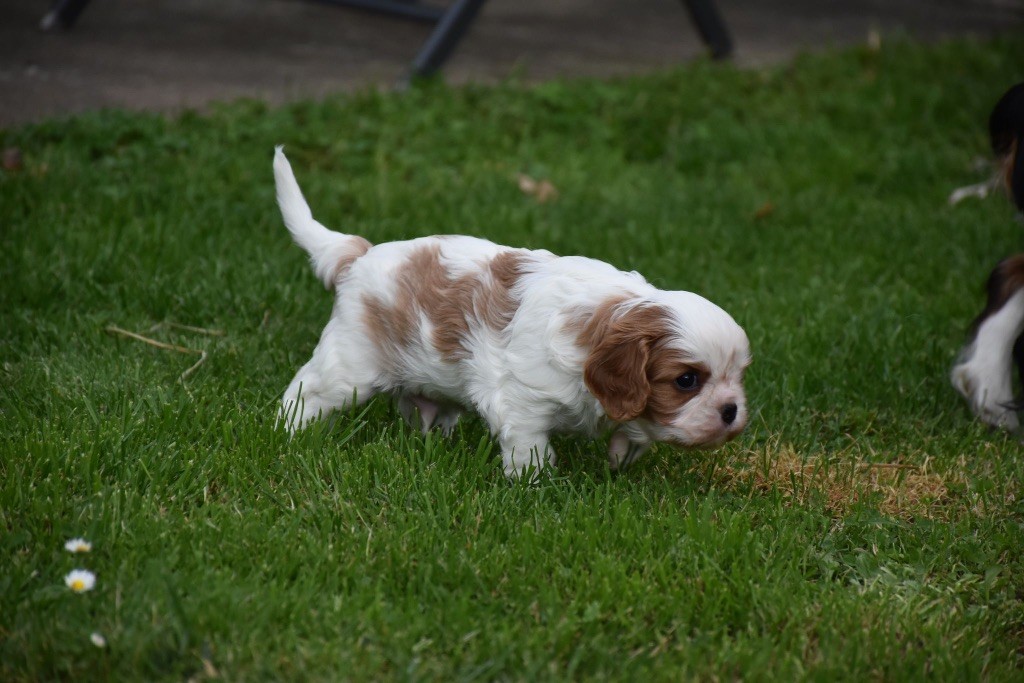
point(729, 413)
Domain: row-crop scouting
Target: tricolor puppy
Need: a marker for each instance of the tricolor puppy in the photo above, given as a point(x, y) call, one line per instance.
point(534, 342)
point(983, 373)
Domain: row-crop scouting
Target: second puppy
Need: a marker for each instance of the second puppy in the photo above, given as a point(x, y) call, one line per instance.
point(983, 373)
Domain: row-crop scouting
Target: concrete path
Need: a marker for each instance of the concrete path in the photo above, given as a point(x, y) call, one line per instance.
point(170, 54)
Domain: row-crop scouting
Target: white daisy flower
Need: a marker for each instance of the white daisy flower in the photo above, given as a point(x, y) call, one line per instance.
point(80, 580)
point(97, 639)
point(78, 545)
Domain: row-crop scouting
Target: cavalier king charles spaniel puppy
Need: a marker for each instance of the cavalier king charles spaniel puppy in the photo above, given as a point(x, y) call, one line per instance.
point(983, 373)
point(534, 342)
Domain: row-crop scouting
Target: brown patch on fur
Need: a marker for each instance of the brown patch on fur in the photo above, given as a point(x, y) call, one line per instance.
point(357, 246)
point(1006, 132)
point(1005, 280)
point(589, 326)
point(615, 370)
point(629, 369)
point(351, 249)
point(452, 305)
point(1006, 166)
point(495, 304)
point(390, 327)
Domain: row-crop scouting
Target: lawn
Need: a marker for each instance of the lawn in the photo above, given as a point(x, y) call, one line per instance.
point(863, 527)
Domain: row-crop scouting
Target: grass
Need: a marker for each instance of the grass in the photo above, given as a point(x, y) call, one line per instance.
point(864, 527)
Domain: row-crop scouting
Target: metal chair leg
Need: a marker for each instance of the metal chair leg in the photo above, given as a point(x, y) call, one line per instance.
point(446, 36)
point(404, 9)
point(711, 26)
point(62, 14)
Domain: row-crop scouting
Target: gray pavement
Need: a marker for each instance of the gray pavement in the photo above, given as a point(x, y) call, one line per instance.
point(166, 55)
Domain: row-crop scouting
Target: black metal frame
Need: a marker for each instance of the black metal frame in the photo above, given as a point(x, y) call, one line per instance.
point(451, 23)
point(711, 26)
point(406, 9)
point(62, 14)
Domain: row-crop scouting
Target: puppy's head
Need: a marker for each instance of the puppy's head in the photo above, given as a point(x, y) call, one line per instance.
point(673, 367)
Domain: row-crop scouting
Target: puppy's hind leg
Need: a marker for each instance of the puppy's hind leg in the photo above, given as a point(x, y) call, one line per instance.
point(448, 418)
point(425, 414)
point(337, 376)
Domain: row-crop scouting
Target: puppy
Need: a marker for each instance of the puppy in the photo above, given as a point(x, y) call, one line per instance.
point(983, 373)
point(535, 343)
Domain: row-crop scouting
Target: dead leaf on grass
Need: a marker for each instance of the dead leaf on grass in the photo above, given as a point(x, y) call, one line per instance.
point(12, 160)
point(765, 210)
point(541, 190)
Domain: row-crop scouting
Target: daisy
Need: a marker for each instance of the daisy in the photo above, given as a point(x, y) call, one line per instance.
point(80, 580)
point(78, 545)
point(97, 639)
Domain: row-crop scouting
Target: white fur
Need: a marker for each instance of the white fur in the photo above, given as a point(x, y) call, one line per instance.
point(526, 380)
point(984, 373)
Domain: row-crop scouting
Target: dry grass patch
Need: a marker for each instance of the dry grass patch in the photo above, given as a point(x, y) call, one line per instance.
point(842, 480)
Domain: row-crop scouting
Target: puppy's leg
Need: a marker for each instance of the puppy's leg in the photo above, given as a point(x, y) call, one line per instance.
point(340, 372)
point(447, 417)
point(979, 190)
point(525, 455)
point(984, 375)
point(424, 414)
point(418, 412)
point(622, 451)
point(524, 450)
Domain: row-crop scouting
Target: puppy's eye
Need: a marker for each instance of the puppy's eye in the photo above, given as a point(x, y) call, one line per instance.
point(688, 381)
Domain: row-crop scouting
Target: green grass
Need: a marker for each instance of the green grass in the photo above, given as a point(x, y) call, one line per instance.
point(364, 551)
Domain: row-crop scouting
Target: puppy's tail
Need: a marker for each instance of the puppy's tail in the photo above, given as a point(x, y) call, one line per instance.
point(331, 253)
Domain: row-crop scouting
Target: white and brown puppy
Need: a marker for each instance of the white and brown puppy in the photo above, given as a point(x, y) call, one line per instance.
point(983, 373)
point(534, 342)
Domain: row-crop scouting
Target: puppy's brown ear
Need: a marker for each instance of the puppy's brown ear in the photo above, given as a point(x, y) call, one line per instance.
point(615, 372)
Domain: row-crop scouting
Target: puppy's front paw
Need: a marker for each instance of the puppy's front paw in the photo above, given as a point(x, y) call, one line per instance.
point(530, 474)
point(989, 392)
point(622, 452)
point(528, 462)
